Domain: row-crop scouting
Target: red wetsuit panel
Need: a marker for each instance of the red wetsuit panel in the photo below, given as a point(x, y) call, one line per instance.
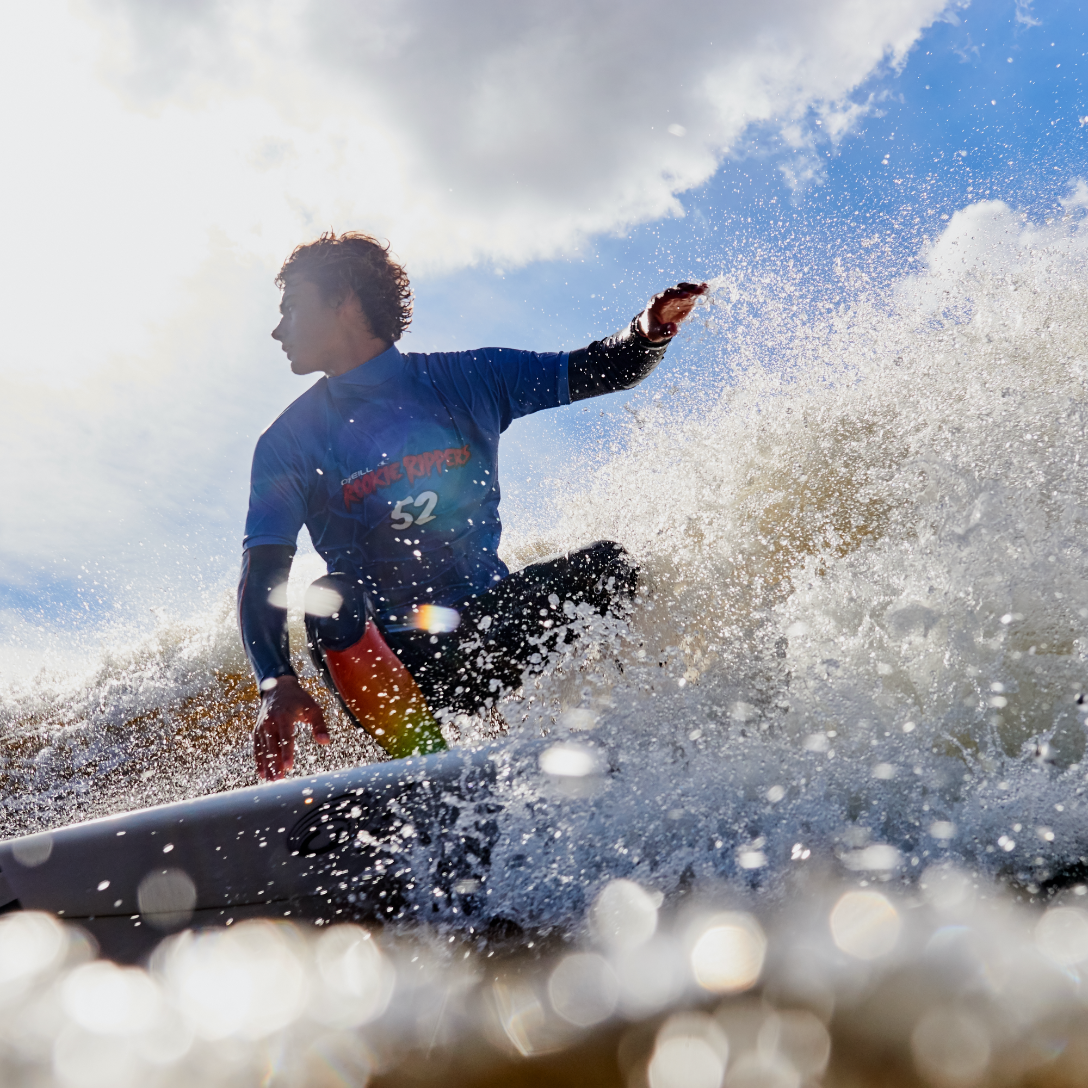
point(384, 699)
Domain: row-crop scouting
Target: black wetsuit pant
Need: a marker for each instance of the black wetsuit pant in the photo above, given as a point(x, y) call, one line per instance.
point(499, 632)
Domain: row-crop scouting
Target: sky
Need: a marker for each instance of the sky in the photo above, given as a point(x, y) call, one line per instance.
point(541, 169)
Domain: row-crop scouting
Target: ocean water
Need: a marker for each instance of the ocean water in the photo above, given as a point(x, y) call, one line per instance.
point(858, 660)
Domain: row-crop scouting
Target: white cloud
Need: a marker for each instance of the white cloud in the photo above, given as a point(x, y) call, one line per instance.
point(1024, 14)
point(138, 132)
point(136, 478)
point(510, 131)
point(155, 149)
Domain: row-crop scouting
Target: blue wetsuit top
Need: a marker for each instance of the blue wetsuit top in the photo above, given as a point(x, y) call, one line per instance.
point(393, 469)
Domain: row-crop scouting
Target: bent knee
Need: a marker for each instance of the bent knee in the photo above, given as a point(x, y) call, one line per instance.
point(610, 559)
point(335, 614)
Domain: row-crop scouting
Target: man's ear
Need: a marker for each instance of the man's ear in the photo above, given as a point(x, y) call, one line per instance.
point(350, 307)
point(337, 300)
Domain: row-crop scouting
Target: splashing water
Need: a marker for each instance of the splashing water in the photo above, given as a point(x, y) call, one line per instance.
point(861, 640)
point(868, 617)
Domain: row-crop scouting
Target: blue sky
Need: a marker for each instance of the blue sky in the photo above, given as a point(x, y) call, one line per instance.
point(988, 106)
point(156, 390)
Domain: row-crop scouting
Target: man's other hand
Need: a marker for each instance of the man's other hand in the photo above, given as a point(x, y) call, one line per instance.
point(282, 708)
point(664, 312)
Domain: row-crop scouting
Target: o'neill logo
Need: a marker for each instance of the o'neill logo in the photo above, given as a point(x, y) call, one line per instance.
point(412, 466)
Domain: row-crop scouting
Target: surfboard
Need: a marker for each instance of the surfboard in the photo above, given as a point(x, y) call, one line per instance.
point(402, 840)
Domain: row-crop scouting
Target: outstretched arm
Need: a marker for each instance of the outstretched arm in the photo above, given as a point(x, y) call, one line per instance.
point(625, 358)
point(262, 616)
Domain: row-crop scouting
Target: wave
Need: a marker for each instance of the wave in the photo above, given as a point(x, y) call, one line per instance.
point(864, 624)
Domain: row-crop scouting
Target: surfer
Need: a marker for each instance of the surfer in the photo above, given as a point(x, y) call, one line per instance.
point(390, 461)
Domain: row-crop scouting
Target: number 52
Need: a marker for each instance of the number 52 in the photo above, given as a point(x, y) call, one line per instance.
point(427, 499)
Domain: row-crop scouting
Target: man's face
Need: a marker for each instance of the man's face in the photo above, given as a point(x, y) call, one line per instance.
point(310, 330)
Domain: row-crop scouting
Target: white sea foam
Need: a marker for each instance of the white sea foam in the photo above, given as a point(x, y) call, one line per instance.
point(868, 595)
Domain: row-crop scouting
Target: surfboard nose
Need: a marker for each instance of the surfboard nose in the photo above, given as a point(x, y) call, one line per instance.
point(346, 844)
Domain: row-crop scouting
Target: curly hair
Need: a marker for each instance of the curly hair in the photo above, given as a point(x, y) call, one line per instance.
point(356, 262)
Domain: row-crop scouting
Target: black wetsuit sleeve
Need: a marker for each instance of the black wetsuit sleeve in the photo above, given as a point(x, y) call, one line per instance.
point(619, 361)
point(264, 623)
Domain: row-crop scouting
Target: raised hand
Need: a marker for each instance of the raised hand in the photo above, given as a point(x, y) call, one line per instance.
point(284, 707)
point(664, 312)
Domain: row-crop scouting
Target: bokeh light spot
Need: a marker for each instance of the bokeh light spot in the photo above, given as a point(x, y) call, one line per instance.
point(109, 1000)
point(583, 989)
point(322, 601)
point(568, 761)
point(166, 898)
point(361, 979)
point(728, 956)
point(30, 944)
point(865, 925)
point(624, 915)
point(951, 1048)
point(690, 1051)
point(1062, 935)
